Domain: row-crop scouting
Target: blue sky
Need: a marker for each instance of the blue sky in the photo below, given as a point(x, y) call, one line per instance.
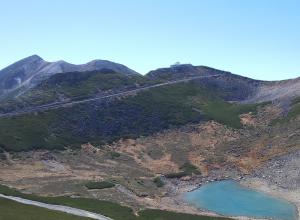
point(255, 38)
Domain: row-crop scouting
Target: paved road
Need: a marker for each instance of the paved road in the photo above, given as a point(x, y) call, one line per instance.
point(66, 209)
point(55, 105)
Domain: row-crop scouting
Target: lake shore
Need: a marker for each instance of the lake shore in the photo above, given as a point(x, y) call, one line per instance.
point(292, 196)
point(176, 201)
point(279, 177)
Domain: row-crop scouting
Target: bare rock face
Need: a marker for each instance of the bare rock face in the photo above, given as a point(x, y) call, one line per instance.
point(28, 72)
point(276, 90)
point(18, 73)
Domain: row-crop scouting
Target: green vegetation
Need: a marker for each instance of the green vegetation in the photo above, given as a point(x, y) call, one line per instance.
point(27, 132)
point(190, 169)
point(187, 169)
point(2, 155)
point(158, 182)
point(99, 185)
point(176, 175)
point(80, 85)
point(227, 113)
point(152, 214)
point(10, 210)
point(109, 209)
point(144, 114)
point(293, 112)
point(114, 155)
point(75, 86)
point(113, 210)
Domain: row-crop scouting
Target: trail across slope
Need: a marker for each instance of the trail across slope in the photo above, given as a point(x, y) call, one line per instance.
point(66, 209)
point(120, 94)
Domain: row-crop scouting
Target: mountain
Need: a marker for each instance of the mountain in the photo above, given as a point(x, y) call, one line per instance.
point(183, 70)
point(75, 86)
point(209, 94)
point(149, 138)
point(241, 88)
point(30, 71)
point(232, 87)
point(284, 90)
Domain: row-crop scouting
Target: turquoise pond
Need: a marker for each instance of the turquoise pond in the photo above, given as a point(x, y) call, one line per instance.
point(231, 199)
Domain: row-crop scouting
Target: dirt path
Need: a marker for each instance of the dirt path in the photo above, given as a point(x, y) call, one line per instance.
point(66, 209)
point(56, 105)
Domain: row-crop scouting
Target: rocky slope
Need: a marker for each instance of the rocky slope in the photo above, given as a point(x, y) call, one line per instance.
point(32, 70)
point(278, 90)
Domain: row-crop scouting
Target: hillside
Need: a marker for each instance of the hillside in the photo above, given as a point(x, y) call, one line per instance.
point(277, 90)
point(141, 141)
point(218, 96)
point(63, 87)
point(104, 121)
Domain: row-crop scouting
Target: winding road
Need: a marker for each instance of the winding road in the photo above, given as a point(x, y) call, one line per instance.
point(56, 105)
point(61, 208)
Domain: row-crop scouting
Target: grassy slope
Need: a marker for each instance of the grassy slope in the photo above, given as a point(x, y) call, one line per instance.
point(113, 210)
point(99, 185)
point(226, 113)
point(153, 214)
point(293, 113)
point(10, 210)
point(144, 114)
point(75, 85)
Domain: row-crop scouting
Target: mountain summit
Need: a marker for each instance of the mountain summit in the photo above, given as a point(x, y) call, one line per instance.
point(28, 72)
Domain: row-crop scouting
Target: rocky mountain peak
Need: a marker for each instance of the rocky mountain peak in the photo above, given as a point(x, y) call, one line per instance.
point(30, 71)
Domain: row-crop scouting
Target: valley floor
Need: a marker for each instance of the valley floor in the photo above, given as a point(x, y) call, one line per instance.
point(260, 155)
point(278, 177)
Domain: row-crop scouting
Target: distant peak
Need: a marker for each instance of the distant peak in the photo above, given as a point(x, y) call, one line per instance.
point(177, 64)
point(33, 58)
point(60, 62)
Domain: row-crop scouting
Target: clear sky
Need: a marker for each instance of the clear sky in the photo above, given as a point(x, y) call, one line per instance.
point(255, 38)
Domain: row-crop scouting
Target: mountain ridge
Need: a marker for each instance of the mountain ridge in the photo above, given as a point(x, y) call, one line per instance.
point(30, 71)
point(64, 81)
point(259, 90)
point(174, 126)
